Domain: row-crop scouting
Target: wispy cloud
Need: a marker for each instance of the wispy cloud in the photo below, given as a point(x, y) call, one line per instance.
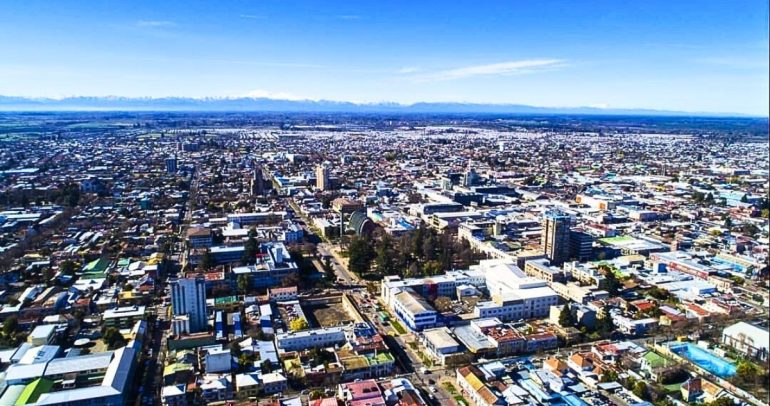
point(155, 23)
point(252, 17)
point(409, 69)
point(267, 94)
point(494, 69)
point(735, 62)
point(348, 17)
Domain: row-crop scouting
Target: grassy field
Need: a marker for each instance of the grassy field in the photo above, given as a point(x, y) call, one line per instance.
point(397, 326)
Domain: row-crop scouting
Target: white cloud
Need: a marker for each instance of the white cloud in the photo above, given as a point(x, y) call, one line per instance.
point(494, 69)
point(409, 69)
point(267, 94)
point(599, 106)
point(252, 16)
point(155, 23)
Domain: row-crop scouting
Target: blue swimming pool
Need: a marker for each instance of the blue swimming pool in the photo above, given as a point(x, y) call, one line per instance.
point(705, 359)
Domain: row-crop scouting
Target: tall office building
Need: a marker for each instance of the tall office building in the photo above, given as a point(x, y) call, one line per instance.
point(471, 178)
point(171, 166)
point(581, 245)
point(322, 177)
point(556, 237)
point(188, 297)
point(257, 181)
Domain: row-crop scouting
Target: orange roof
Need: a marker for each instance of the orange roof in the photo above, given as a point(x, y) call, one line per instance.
point(580, 360)
point(555, 365)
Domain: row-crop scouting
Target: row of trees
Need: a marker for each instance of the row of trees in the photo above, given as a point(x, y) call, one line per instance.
point(602, 328)
point(422, 251)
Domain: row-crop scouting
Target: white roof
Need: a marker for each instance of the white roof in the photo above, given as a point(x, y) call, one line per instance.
point(42, 331)
point(39, 354)
point(80, 363)
point(21, 372)
point(759, 336)
point(243, 380)
point(126, 311)
point(11, 395)
point(440, 338)
point(273, 377)
point(173, 390)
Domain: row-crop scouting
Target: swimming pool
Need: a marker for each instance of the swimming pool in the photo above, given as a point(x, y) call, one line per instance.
point(705, 359)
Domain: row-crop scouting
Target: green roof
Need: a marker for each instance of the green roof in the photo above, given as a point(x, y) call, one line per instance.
point(33, 390)
point(225, 300)
point(655, 360)
point(176, 367)
point(617, 239)
point(381, 357)
point(97, 266)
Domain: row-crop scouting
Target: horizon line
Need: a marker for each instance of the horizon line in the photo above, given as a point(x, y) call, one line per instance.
point(594, 109)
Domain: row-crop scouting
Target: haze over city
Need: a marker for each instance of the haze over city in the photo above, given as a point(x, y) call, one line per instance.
point(691, 56)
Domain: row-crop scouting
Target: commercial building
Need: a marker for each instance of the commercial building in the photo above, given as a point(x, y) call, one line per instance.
point(581, 245)
point(415, 311)
point(542, 269)
point(306, 339)
point(272, 265)
point(123, 317)
point(514, 295)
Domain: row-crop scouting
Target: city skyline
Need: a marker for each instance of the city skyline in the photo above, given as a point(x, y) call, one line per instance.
point(688, 56)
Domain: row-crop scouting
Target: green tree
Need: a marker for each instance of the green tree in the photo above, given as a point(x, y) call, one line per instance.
point(605, 325)
point(68, 267)
point(113, 338)
point(613, 285)
point(243, 284)
point(566, 319)
point(250, 249)
point(327, 266)
point(298, 324)
point(11, 326)
point(432, 268)
point(442, 304)
point(429, 248)
point(207, 261)
point(384, 257)
point(609, 376)
point(640, 390)
point(746, 371)
point(360, 255)
point(723, 401)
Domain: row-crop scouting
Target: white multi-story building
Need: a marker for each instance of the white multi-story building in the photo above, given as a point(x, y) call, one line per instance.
point(514, 295)
point(302, 340)
point(270, 268)
point(217, 359)
point(434, 286)
point(416, 313)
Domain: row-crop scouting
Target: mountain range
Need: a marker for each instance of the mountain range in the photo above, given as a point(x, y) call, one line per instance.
point(246, 104)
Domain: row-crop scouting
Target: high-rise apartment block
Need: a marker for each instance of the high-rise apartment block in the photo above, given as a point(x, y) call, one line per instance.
point(556, 236)
point(188, 297)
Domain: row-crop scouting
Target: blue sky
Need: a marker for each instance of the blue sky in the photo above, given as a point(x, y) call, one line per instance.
point(705, 56)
